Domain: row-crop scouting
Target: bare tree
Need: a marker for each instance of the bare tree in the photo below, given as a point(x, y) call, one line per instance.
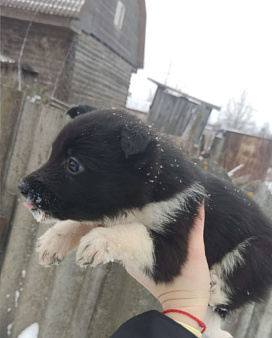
point(265, 131)
point(239, 115)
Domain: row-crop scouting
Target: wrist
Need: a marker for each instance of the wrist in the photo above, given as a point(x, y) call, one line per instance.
point(188, 317)
point(194, 303)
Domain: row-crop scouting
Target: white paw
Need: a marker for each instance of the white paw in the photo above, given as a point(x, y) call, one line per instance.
point(214, 281)
point(96, 248)
point(218, 288)
point(52, 248)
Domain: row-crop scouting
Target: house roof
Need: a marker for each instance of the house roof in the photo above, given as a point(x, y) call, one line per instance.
point(82, 15)
point(66, 8)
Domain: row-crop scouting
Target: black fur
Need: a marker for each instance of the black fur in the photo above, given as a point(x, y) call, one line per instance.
point(126, 165)
point(79, 110)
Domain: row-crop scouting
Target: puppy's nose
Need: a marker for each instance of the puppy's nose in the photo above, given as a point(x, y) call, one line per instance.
point(24, 188)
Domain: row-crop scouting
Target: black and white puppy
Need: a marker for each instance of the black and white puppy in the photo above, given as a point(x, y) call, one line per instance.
point(124, 193)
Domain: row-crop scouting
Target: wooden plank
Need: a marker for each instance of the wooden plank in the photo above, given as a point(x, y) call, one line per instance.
point(100, 73)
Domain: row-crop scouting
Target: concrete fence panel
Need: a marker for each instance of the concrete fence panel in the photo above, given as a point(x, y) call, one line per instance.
point(64, 301)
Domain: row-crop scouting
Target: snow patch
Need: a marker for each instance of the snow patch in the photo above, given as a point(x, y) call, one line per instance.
point(30, 332)
point(23, 273)
point(9, 329)
point(17, 295)
point(269, 185)
point(38, 199)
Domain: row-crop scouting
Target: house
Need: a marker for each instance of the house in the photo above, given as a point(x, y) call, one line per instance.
point(81, 51)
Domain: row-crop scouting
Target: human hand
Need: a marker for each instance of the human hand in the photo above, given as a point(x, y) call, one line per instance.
point(190, 290)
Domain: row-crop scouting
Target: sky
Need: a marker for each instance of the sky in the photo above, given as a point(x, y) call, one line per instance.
point(213, 50)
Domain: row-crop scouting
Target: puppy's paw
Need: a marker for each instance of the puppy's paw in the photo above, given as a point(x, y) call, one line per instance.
point(52, 248)
point(218, 293)
point(96, 248)
point(214, 281)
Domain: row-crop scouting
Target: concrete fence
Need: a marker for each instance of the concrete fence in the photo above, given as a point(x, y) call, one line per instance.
point(64, 301)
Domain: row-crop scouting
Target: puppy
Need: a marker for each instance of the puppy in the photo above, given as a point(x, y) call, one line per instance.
point(121, 192)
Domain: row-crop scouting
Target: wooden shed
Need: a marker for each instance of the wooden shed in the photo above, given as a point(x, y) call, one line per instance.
point(250, 155)
point(172, 110)
point(80, 50)
point(181, 115)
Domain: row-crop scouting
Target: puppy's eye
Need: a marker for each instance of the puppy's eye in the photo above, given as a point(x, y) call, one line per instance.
point(74, 166)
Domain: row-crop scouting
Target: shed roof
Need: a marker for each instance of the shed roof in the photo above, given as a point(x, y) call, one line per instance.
point(181, 94)
point(66, 8)
point(236, 131)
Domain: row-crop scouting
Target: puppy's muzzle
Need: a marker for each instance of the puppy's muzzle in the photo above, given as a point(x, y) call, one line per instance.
point(24, 188)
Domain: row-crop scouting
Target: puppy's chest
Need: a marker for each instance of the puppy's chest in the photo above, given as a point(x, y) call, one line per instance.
point(154, 216)
point(132, 216)
point(158, 216)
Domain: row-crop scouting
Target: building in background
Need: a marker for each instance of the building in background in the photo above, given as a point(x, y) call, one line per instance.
point(81, 51)
point(181, 115)
point(247, 158)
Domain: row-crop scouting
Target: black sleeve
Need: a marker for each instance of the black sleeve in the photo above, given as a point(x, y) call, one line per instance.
point(152, 324)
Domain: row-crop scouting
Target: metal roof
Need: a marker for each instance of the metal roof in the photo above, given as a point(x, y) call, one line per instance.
point(67, 8)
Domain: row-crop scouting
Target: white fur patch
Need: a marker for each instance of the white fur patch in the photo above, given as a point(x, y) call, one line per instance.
point(157, 215)
point(213, 323)
point(220, 291)
point(38, 214)
point(234, 258)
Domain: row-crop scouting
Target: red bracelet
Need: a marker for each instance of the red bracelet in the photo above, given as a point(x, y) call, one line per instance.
point(200, 323)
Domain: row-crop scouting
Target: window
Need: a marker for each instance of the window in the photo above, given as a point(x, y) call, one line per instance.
point(119, 15)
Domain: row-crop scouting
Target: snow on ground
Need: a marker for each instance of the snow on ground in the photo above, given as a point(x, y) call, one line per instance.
point(9, 329)
point(269, 185)
point(30, 332)
point(17, 295)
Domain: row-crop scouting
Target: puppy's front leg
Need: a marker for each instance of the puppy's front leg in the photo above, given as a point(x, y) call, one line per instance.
point(63, 237)
point(129, 243)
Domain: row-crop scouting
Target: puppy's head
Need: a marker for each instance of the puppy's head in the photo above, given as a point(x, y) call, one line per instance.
point(98, 167)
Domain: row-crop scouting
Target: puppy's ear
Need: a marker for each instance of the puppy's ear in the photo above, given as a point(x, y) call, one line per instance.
point(76, 111)
point(134, 140)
